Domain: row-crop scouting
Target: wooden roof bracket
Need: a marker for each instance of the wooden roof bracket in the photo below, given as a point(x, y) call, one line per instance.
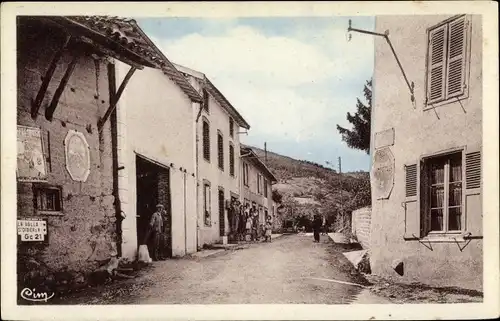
point(49, 111)
point(386, 37)
point(37, 103)
point(115, 97)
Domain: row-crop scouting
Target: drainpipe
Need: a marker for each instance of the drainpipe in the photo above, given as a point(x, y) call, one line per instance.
point(185, 215)
point(197, 177)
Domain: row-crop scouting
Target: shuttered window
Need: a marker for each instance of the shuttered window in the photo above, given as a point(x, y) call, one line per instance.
point(411, 180)
point(231, 159)
point(206, 140)
point(206, 203)
point(220, 147)
point(231, 127)
point(206, 100)
point(447, 61)
point(473, 170)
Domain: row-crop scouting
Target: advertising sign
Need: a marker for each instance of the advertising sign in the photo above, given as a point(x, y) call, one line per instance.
point(31, 165)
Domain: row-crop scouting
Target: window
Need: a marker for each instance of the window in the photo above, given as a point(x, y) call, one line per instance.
point(442, 195)
point(206, 99)
point(47, 199)
point(206, 203)
point(231, 127)
point(259, 184)
point(245, 174)
point(206, 140)
point(220, 147)
point(265, 189)
point(231, 159)
point(446, 59)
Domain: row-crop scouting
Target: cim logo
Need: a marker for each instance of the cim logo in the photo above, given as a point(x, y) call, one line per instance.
point(32, 295)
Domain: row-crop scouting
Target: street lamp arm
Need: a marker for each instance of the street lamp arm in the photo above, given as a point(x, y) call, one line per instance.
point(386, 37)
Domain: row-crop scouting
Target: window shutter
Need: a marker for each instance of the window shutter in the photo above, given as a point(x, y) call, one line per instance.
point(473, 169)
point(455, 68)
point(412, 213)
point(473, 199)
point(436, 67)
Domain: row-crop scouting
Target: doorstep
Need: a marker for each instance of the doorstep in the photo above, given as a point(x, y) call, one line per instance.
point(206, 253)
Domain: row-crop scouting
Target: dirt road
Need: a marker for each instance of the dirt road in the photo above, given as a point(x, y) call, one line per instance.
point(291, 269)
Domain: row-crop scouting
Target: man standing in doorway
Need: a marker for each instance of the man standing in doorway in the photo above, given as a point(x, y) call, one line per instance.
point(156, 228)
point(164, 237)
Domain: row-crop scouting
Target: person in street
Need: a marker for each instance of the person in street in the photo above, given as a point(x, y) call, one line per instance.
point(323, 226)
point(249, 224)
point(316, 225)
point(268, 229)
point(156, 228)
point(243, 222)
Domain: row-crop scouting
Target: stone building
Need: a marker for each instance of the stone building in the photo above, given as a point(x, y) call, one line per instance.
point(426, 150)
point(68, 210)
point(256, 184)
point(218, 126)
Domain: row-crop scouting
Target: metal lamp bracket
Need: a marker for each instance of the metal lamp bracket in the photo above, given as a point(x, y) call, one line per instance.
point(385, 35)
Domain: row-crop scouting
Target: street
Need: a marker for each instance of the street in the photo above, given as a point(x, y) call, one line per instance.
point(291, 269)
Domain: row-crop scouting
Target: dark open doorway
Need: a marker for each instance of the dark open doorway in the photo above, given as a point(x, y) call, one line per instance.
point(153, 187)
point(222, 219)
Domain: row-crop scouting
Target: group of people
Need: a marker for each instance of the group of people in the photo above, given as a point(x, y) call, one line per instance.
point(246, 225)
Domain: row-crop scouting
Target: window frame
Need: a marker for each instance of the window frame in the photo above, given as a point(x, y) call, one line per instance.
point(259, 183)
point(424, 205)
point(207, 219)
point(467, 54)
point(232, 160)
point(231, 127)
point(206, 140)
point(220, 150)
point(38, 188)
point(246, 172)
point(206, 100)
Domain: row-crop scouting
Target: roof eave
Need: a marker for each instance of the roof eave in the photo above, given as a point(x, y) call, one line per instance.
point(171, 71)
point(226, 104)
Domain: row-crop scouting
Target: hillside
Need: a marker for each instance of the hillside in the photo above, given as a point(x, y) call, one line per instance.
point(308, 188)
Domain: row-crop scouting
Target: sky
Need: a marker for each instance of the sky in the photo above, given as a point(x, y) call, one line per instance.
point(293, 79)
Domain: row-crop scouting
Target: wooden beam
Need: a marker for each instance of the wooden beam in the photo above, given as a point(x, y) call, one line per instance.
point(110, 53)
point(49, 112)
point(114, 99)
point(35, 105)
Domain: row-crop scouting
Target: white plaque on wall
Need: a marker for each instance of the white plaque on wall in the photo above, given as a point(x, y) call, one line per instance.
point(77, 152)
point(384, 138)
point(383, 173)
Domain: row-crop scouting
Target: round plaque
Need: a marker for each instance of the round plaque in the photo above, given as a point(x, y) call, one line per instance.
point(77, 156)
point(383, 173)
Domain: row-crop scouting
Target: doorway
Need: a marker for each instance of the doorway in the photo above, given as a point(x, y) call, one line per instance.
point(153, 187)
point(222, 219)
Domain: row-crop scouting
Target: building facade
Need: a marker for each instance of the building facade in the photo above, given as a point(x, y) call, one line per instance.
point(67, 218)
point(427, 220)
point(218, 126)
point(256, 185)
point(157, 157)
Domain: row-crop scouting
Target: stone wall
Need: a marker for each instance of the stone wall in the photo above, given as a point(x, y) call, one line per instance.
point(361, 219)
point(84, 232)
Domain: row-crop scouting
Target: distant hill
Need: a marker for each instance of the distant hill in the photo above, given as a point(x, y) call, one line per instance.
point(310, 188)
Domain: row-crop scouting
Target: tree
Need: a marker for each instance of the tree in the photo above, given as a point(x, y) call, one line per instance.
point(359, 136)
point(277, 197)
